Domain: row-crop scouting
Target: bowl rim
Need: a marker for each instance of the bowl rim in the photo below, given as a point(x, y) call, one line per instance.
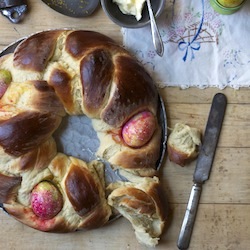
point(138, 24)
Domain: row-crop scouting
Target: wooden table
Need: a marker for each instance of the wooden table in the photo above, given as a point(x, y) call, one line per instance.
point(223, 219)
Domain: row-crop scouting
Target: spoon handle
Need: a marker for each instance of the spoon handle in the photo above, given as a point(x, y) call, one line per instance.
point(157, 41)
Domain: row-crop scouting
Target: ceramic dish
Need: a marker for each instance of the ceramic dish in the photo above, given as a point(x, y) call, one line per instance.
point(128, 21)
point(73, 8)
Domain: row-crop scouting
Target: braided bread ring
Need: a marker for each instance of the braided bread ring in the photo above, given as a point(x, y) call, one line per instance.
point(65, 72)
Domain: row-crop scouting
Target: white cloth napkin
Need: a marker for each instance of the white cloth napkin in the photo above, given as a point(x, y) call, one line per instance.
point(201, 47)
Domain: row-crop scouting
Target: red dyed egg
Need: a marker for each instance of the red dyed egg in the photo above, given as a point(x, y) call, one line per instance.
point(46, 200)
point(5, 79)
point(139, 129)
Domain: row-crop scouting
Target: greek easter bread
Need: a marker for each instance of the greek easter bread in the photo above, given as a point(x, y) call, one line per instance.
point(60, 73)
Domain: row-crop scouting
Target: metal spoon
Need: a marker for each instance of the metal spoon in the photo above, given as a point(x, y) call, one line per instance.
point(157, 41)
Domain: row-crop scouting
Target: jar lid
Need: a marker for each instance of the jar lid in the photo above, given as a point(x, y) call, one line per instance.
point(224, 10)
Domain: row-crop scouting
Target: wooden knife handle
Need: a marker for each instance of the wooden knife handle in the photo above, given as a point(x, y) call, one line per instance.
point(189, 217)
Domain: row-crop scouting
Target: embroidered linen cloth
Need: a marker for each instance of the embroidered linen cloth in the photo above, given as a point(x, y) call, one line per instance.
point(201, 47)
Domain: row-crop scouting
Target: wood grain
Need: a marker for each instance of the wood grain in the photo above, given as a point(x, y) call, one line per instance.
point(223, 217)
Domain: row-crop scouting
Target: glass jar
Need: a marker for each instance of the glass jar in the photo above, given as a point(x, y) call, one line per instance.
point(226, 7)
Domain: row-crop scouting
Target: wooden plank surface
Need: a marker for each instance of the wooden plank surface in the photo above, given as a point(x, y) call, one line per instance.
point(223, 217)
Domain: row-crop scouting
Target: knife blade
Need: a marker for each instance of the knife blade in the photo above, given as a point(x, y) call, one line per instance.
point(203, 166)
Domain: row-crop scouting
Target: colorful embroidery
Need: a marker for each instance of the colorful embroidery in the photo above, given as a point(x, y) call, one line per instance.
point(185, 31)
point(206, 47)
point(188, 33)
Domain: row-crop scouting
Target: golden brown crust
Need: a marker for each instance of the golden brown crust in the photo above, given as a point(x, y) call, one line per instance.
point(141, 161)
point(32, 95)
point(7, 187)
point(81, 190)
point(110, 85)
point(13, 167)
point(144, 204)
point(26, 131)
point(78, 42)
point(96, 71)
point(183, 144)
point(26, 216)
point(138, 200)
point(179, 157)
point(80, 209)
point(132, 93)
point(60, 80)
point(38, 158)
point(34, 52)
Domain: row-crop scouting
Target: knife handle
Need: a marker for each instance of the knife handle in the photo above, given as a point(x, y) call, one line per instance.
point(189, 217)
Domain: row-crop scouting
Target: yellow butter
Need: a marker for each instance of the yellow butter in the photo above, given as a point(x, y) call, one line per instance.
point(131, 7)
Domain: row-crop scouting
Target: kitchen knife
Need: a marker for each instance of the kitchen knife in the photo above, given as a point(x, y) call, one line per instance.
point(203, 166)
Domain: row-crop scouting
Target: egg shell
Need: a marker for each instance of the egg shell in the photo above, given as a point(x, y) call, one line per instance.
point(46, 200)
point(139, 129)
